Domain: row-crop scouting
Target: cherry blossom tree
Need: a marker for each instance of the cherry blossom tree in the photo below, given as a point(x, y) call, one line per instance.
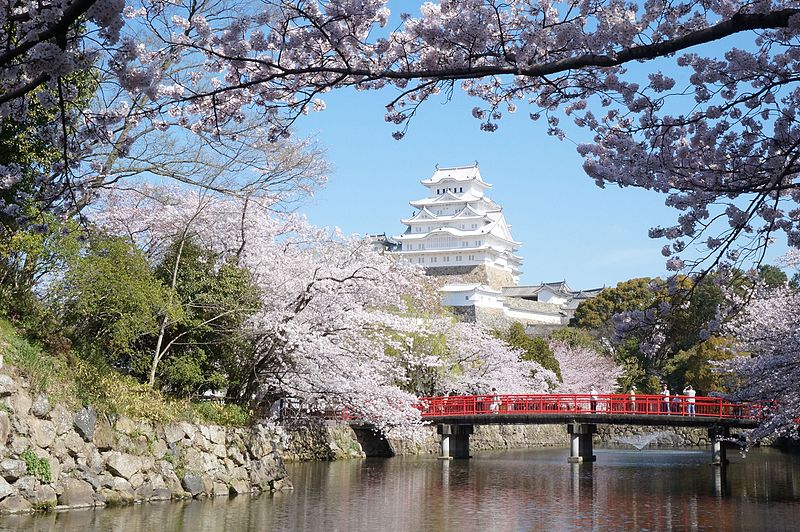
point(583, 367)
point(335, 325)
point(767, 365)
point(719, 139)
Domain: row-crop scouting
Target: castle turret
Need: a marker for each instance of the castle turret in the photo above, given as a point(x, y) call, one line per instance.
point(456, 229)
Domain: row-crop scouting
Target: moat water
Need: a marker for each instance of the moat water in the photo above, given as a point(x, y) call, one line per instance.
point(651, 489)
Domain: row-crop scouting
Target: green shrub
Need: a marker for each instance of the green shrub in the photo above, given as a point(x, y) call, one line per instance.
point(38, 467)
point(229, 415)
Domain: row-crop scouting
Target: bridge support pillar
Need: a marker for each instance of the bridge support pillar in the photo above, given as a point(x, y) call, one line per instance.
point(580, 437)
point(454, 441)
point(718, 453)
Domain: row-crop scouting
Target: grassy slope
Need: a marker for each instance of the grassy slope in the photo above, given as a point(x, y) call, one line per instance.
point(75, 382)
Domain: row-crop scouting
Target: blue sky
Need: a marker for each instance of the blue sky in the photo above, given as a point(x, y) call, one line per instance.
point(569, 228)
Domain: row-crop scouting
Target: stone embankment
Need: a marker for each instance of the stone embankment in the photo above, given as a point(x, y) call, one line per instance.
point(51, 458)
point(332, 441)
point(661, 436)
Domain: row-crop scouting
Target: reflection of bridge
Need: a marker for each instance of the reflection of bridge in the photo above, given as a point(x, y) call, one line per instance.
point(456, 416)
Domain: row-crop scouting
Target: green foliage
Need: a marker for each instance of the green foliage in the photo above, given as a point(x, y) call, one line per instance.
point(692, 366)
point(577, 337)
point(215, 301)
point(772, 276)
point(24, 141)
point(29, 257)
point(38, 467)
point(110, 300)
point(229, 415)
point(534, 349)
point(693, 305)
point(596, 313)
point(112, 392)
point(46, 373)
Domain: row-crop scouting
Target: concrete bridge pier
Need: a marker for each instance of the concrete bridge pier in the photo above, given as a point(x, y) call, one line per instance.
point(454, 441)
point(718, 454)
point(580, 437)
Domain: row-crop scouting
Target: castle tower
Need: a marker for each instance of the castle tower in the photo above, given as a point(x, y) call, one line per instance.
point(458, 231)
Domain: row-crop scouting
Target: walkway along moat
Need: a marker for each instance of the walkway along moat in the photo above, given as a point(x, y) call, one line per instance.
point(456, 417)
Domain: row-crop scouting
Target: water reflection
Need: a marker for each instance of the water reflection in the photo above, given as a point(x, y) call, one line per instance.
point(516, 490)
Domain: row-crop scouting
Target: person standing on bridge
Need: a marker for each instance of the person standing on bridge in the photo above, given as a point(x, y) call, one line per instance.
point(593, 399)
point(632, 394)
point(689, 392)
point(664, 399)
point(494, 406)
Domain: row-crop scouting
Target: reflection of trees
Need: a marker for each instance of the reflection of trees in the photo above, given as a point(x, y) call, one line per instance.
point(517, 490)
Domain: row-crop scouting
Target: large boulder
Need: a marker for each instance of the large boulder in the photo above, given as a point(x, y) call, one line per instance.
point(235, 455)
point(41, 406)
point(123, 465)
point(260, 442)
point(193, 484)
point(240, 486)
point(214, 433)
point(5, 429)
point(20, 403)
point(263, 472)
point(219, 489)
point(161, 494)
point(15, 504)
point(44, 498)
point(85, 422)
point(74, 444)
point(5, 489)
point(42, 432)
point(218, 450)
point(119, 491)
point(62, 419)
point(7, 386)
point(104, 435)
point(76, 493)
point(173, 433)
point(144, 492)
point(11, 470)
point(125, 425)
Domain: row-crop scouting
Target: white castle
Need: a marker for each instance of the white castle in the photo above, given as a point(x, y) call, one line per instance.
point(457, 225)
point(460, 234)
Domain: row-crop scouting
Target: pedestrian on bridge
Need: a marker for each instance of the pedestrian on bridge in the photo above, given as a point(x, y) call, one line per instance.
point(689, 392)
point(632, 395)
point(494, 406)
point(664, 399)
point(593, 399)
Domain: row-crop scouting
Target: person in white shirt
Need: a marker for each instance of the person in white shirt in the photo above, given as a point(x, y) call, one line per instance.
point(494, 406)
point(632, 395)
point(689, 393)
point(664, 399)
point(593, 401)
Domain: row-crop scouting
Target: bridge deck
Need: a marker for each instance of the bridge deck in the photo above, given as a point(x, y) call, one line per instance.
point(585, 408)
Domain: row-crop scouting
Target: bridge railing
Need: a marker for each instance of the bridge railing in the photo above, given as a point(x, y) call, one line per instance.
point(617, 404)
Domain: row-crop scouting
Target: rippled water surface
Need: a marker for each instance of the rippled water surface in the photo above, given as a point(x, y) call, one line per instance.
point(513, 490)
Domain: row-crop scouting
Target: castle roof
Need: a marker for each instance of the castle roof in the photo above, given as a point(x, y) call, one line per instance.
point(456, 173)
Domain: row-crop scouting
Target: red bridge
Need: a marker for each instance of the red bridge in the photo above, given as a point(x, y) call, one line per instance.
point(457, 415)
